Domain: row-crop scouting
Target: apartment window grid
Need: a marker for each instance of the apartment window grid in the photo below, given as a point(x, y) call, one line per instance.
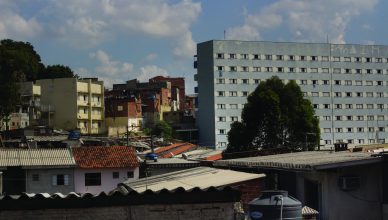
point(324, 82)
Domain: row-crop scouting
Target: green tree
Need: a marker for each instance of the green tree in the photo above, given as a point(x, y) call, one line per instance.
point(275, 115)
point(56, 71)
point(162, 129)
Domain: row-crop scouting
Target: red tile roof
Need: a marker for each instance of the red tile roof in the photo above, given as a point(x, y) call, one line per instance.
point(214, 157)
point(175, 149)
point(105, 157)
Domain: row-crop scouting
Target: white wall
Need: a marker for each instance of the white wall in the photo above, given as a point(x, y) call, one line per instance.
point(107, 181)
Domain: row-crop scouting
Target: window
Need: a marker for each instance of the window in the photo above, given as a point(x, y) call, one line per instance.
point(35, 177)
point(336, 59)
point(314, 58)
point(348, 94)
point(221, 93)
point(268, 69)
point(233, 69)
point(380, 106)
point(314, 70)
point(326, 94)
point(291, 69)
point(327, 141)
point(361, 141)
point(378, 60)
point(338, 106)
point(349, 106)
point(380, 117)
point(257, 81)
point(325, 82)
point(232, 56)
point(233, 106)
point(359, 94)
point(268, 57)
point(336, 70)
point(381, 128)
point(120, 108)
point(115, 175)
point(314, 82)
point(338, 118)
point(370, 117)
point(358, 83)
point(326, 130)
point(379, 83)
point(379, 94)
point(256, 69)
point(222, 119)
point(280, 69)
point(360, 129)
point(368, 59)
point(369, 94)
point(359, 71)
point(314, 94)
point(220, 56)
point(244, 56)
point(232, 93)
point(371, 129)
point(325, 70)
point(221, 131)
point(245, 93)
point(244, 69)
point(359, 106)
point(60, 180)
point(337, 82)
point(233, 118)
point(379, 71)
point(245, 81)
point(279, 57)
point(357, 59)
point(338, 130)
point(220, 68)
point(92, 179)
point(221, 106)
point(326, 106)
point(327, 118)
point(232, 81)
point(369, 71)
point(303, 58)
point(349, 118)
point(348, 82)
point(220, 81)
point(347, 59)
point(348, 71)
point(315, 106)
point(303, 82)
point(303, 70)
point(130, 174)
point(291, 57)
point(256, 56)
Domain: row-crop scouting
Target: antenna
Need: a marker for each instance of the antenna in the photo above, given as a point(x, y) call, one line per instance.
point(327, 38)
point(224, 34)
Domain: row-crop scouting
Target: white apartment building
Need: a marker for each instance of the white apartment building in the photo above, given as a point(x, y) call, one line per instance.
point(346, 83)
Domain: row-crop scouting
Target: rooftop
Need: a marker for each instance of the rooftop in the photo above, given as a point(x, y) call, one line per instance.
point(308, 160)
point(35, 157)
point(199, 177)
point(105, 157)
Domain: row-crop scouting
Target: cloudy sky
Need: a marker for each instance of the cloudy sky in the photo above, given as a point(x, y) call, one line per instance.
point(118, 40)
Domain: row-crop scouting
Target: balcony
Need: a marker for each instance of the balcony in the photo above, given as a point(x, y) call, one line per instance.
point(83, 116)
point(82, 103)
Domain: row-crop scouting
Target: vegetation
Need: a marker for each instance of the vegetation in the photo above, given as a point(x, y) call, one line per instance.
point(162, 129)
point(19, 62)
point(275, 115)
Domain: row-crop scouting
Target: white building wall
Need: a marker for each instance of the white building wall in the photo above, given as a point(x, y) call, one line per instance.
point(346, 83)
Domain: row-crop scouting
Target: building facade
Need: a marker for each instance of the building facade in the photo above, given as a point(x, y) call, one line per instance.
point(72, 103)
point(347, 85)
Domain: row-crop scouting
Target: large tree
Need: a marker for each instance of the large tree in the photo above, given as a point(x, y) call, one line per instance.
point(276, 114)
point(56, 71)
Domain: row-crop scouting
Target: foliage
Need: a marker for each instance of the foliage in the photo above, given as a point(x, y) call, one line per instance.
point(275, 115)
point(162, 129)
point(56, 71)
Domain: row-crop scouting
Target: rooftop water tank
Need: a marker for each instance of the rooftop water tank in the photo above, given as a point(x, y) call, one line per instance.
point(275, 204)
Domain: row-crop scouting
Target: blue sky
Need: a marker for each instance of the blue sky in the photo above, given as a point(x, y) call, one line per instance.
point(118, 40)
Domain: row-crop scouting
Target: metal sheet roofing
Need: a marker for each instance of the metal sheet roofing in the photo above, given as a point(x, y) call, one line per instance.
point(308, 160)
point(35, 157)
point(200, 177)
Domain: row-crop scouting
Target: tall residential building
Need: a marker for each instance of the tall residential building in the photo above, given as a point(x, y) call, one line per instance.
point(73, 103)
point(346, 83)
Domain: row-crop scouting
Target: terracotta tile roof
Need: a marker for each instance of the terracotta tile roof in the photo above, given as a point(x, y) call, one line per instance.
point(163, 149)
point(214, 157)
point(176, 149)
point(105, 157)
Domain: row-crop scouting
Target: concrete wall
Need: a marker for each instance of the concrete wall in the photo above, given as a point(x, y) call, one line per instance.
point(107, 181)
point(44, 185)
point(363, 203)
point(213, 211)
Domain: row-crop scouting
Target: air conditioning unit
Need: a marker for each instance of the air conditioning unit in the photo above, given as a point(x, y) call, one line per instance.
point(349, 183)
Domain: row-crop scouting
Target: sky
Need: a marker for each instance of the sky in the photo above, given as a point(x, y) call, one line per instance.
point(119, 40)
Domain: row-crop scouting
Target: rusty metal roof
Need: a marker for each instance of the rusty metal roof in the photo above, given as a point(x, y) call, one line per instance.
point(308, 160)
point(35, 157)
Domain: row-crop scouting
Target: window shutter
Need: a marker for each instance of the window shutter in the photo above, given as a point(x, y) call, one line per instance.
point(54, 180)
point(66, 180)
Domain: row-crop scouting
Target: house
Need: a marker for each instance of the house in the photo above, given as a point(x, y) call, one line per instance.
point(340, 185)
point(100, 169)
point(72, 103)
point(166, 165)
point(37, 170)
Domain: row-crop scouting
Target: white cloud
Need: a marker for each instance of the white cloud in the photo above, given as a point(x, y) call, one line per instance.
point(87, 23)
point(306, 20)
point(151, 56)
point(114, 71)
point(13, 25)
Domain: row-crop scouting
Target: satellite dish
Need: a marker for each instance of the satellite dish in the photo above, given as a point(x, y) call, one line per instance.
point(185, 156)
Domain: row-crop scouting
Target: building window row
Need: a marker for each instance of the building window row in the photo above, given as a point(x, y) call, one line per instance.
point(356, 141)
point(354, 117)
point(237, 81)
point(281, 57)
point(346, 94)
point(232, 93)
point(299, 70)
point(225, 119)
point(354, 129)
point(230, 106)
point(351, 106)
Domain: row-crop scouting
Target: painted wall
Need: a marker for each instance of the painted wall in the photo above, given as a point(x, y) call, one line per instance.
point(108, 183)
point(363, 203)
point(44, 184)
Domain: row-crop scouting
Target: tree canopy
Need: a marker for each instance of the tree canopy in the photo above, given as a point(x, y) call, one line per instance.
point(20, 62)
point(162, 129)
point(276, 114)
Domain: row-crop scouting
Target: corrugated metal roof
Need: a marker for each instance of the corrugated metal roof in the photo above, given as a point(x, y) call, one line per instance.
point(35, 157)
point(308, 160)
point(309, 211)
point(200, 177)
